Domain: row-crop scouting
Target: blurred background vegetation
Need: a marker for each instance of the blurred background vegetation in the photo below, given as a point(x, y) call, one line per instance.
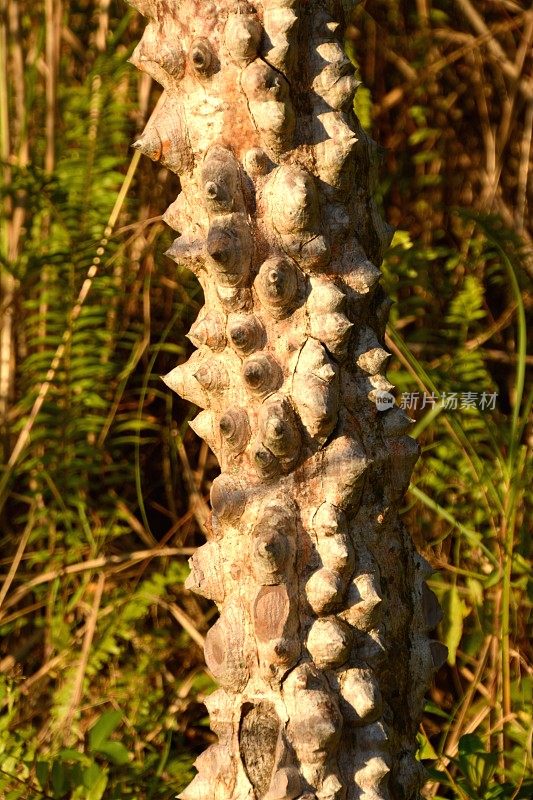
point(103, 488)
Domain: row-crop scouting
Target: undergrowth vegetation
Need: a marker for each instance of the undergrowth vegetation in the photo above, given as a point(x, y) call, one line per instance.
point(103, 492)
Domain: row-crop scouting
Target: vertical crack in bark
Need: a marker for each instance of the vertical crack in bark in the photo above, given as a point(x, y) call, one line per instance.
point(321, 648)
point(259, 734)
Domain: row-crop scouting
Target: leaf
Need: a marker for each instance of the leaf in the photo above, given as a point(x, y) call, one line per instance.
point(470, 743)
point(401, 240)
point(422, 134)
point(91, 775)
point(475, 587)
point(425, 749)
point(499, 790)
point(97, 791)
point(432, 708)
point(114, 752)
point(103, 728)
point(42, 770)
point(455, 611)
point(363, 107)
point(73, 755)
point(58, 778)
point(476, 764)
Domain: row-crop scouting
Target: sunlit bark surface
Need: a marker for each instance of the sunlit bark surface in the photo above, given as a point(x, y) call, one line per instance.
point(321, 650)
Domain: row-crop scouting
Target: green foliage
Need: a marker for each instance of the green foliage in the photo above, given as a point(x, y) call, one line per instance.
point(459, 276)
point(101, 687)
point(87, 627)
point(476, 769)
point(468, 499)
point(105, 767)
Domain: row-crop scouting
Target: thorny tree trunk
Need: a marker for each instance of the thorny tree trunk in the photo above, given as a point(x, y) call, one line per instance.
point(321, 648)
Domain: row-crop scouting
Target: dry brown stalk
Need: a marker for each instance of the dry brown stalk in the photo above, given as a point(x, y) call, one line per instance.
point(90, 629)
point(90, 565)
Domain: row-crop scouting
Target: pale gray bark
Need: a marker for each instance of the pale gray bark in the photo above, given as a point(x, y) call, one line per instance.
point(321, 649)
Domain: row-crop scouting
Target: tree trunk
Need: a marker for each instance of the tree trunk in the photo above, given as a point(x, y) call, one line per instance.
point(321, 648)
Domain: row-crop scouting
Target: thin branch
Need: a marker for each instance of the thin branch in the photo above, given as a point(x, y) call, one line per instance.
point(90, 629)
point(24, 539)
point(184, 620)
point(507, 67)
point(94, 564)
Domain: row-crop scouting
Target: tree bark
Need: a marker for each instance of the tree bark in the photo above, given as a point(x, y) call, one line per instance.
point(321, 649)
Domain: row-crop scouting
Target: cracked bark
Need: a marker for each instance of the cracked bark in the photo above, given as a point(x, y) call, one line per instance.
point(321, 649)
